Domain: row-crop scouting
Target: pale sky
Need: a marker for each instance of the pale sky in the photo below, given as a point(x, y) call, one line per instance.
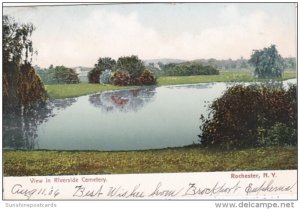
point(79, 35)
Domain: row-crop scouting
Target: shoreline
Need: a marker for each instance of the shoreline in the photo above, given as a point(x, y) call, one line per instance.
point(136, 150)
point(63, 91)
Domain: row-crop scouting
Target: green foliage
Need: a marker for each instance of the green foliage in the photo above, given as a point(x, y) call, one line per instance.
point(105, 63)
point(188, 69)
point(57, 75)
point(46, 75)
point(121, 78)
point(73, 90)
point(62, 74)
point(236, 117)
point(155, 70)
point(147, 78)
point(133, 65)
point(189, 159)
point(239, 64)
point(267, 62)
point(290, 63)
point(21, 86)
point(16, 40)
point(102, 64)
point(278, 135)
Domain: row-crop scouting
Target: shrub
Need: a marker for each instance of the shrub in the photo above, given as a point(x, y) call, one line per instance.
point(147, 78)
point(278, 135)
point(134, 80)
point(236, 117)
point(105, 77)
point(102, 64)
point(120, 78)
point(210, 70)
point(292, 111)
point(188, 69)
point(93, 75)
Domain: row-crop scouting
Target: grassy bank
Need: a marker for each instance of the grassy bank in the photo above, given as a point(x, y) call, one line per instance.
point(74, 90)
point(60, 91)
point(224, 76)
point(188, 159)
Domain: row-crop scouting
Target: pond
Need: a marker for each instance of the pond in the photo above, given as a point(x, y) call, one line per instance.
point(143, 118)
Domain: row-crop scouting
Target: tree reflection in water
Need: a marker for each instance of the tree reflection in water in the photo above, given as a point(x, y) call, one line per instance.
point(124, 101)
point(19, 131)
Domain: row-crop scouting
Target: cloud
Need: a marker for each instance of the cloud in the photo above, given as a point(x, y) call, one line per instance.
point(73, 42)
point(99, 35)
point(237, 37)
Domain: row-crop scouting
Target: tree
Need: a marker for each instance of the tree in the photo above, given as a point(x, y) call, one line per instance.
point(16, 40)
point(105, 63)
point(267, 62)
point(65, 75)
point(19, 78)
point(133, 65)
point(290, 63)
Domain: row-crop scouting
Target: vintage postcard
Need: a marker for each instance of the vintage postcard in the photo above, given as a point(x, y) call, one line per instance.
point(149, 101)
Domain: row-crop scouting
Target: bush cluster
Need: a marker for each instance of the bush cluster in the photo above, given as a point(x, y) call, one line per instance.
point(105, 77)
point(147, 78)
point(128, 70)
point(123, 78)
point(120, 78)
point(93, 75)
point(188, 69)
point(243, 113)
point(278, 135)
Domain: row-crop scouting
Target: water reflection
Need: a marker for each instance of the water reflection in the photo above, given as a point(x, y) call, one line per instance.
point(61, 104)
point(124, 101)
point(167, 117)
point(20, 130)
point(192, 86)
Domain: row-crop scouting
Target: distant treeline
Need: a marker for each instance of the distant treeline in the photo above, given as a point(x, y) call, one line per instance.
point(187, 69)
point(228, 64)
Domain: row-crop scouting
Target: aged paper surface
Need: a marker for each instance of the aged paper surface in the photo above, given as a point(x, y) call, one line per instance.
point(112, 132)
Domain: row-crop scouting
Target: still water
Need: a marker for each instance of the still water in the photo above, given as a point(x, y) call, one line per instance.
point(144, 118)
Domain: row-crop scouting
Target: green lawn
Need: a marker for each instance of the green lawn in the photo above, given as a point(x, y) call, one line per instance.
point(74, 90)
point(225, 76)
point(60, 91)
point(184, 159)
